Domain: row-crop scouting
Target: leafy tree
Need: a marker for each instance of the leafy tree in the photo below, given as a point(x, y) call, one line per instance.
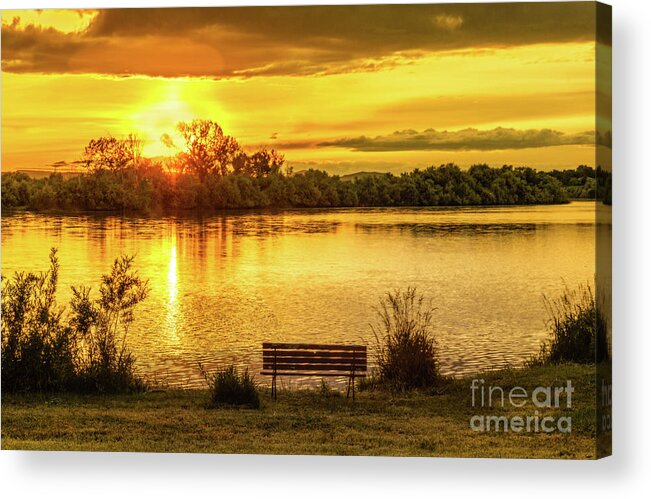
point(111, 153)
point(207, 150)
point(259, 164)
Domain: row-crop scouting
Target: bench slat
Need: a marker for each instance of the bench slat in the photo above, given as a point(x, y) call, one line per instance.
point(299, 373)
point(269, 364)
point(314, 359)
point(344, 368)
point(309, 346)
point(313, 353)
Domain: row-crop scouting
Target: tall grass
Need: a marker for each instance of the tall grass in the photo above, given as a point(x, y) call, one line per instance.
point(46, 347)
point(228, 387)
point(406, 350)
point(578, 330)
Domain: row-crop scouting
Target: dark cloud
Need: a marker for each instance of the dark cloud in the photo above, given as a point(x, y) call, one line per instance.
point(285, 145)
point(254, 41)
point(36, 49)
point(469, 139)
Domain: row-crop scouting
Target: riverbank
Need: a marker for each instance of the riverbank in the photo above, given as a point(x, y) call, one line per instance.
point(306, 421)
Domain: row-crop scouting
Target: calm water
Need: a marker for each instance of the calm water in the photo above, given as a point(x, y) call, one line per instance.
point(222, 284)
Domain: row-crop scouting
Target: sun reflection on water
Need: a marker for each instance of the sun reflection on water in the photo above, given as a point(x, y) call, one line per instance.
point(172, 287)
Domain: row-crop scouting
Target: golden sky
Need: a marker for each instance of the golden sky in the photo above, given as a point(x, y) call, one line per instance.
point(381, 88)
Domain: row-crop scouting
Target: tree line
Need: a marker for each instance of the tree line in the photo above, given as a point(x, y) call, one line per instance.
point(210, 170)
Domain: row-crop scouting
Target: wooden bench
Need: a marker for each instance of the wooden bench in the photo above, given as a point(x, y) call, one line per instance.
point(301, 359)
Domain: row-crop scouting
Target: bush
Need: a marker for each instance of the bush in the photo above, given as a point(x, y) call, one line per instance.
point(577, 329)
point(102, 326)
point(45, 349)
point(38, 349)
point(230, 388)
point(406, 348)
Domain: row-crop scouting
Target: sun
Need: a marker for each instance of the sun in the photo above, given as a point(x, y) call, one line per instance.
point(169, 102)
point(159, 114)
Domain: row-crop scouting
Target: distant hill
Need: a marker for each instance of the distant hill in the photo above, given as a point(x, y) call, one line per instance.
point(354, 176)
point(350, 177)
point(36, 174)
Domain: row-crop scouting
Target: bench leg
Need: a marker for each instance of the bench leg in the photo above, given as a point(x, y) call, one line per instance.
point(351, 387)
point(274, 393)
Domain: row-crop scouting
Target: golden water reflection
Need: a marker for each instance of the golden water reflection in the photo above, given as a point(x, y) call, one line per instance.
point(222, 284)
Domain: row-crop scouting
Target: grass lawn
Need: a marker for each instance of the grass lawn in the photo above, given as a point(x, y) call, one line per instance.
point(305, 421)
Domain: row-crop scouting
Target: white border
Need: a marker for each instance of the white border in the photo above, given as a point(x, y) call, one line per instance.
point(627, 473)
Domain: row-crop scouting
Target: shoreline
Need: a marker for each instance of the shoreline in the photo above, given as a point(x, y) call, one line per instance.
point(193, 212)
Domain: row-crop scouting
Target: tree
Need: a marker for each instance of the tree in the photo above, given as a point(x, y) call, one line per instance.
point(262, 163)
point(111, 153)
point(207, 150)
point(133, 146)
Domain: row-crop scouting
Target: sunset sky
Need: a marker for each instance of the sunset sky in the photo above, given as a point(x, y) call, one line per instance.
point(346, 89)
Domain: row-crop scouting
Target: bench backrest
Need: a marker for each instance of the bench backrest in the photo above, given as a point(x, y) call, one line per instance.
point(307, 358)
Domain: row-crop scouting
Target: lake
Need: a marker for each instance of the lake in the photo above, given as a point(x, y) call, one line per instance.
point(222, 284)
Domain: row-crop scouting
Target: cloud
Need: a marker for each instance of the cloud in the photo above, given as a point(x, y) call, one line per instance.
point(259, 41)
point(448, 22)
point(469, 139)
point(605, 138)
